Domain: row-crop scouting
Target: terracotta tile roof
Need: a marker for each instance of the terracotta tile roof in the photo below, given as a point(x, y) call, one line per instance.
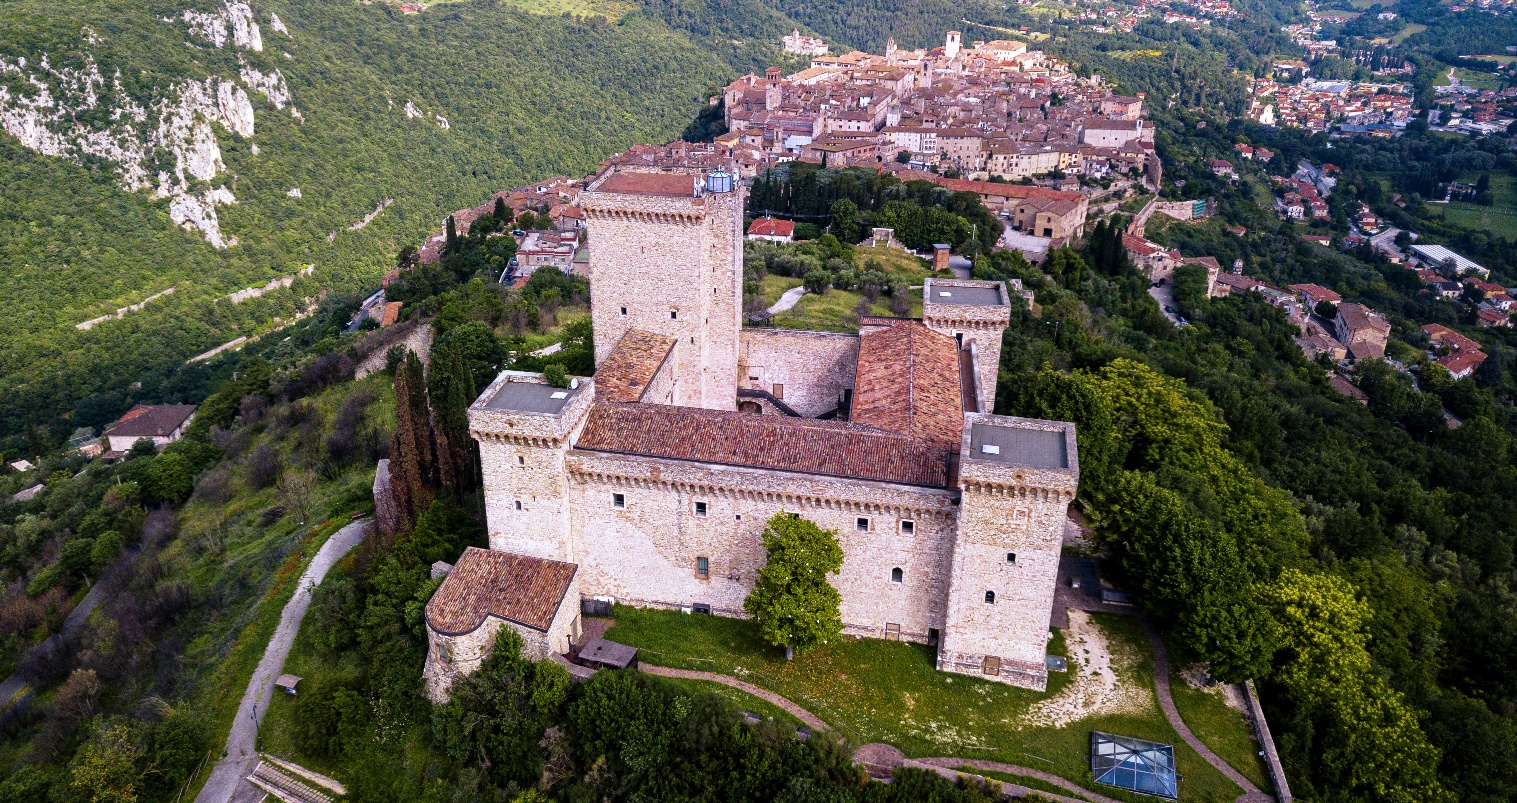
point(908, 382)
point(148, 421)
point(1004, 190)
point(630, 183)
point(1343, 386)
point(772, 227)
point(1357, 316)
point(392, 313)
point(1439, 333)
point(1463, 362)
point(505, 585)
point(1316, 292)
point(627, 370)
point(778, 443)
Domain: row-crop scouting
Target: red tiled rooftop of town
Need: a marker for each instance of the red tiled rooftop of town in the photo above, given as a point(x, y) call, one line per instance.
point(772, 227)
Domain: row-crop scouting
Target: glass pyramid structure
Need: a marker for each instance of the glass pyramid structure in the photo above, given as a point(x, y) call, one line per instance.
point(1147, 768)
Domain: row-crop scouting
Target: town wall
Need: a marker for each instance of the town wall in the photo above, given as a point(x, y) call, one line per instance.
point(645, 553)
point(813, 368)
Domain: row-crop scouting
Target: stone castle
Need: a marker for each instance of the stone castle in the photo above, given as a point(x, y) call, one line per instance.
point(650, 483)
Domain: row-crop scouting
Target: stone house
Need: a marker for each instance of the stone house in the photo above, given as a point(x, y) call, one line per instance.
point(654, 479)
point(1362, 330)
point(160, 423)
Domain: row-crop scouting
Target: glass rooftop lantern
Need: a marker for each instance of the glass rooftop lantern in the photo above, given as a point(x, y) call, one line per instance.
point(1147, 768)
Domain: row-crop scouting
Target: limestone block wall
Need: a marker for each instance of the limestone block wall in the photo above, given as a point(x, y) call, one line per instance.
point(522, 462)
point(982, 325)
point(672, 266)
point(452, 657)
point(663, 388)
point(646, 552)
point(813, 368)
point(1006, 511)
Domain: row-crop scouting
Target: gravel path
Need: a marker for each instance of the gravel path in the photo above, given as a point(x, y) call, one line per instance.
point(787, 301)
point(1251, 793)
point(1011, 769)
point(242, 743)
point(812, 720)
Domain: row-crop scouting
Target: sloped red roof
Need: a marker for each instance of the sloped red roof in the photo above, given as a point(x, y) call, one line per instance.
point(632, 183)
point(627, 370)
point(907, 381)
point(484, 583)
point(774, 442)
point(772, 227)
point(151, 421)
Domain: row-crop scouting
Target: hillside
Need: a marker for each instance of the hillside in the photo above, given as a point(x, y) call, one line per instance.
point(216, 114)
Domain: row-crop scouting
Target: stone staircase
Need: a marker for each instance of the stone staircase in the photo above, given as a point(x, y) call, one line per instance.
point(293, 784)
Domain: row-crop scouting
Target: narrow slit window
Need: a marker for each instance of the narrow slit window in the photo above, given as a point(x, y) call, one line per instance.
point(518, 504)
point(673, 315)
point(897, 575)
point(520, 460)
point(619, 500)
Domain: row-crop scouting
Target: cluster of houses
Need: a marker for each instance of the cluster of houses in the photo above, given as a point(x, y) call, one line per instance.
point(1350, 108)
point(1466, 109)
point(974, 110)
point(1125, 17)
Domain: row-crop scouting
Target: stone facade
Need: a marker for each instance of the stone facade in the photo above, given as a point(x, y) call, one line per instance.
point(812, 371)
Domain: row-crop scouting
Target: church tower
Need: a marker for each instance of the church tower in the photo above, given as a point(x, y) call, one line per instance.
point(666, 251)
point(951, 46)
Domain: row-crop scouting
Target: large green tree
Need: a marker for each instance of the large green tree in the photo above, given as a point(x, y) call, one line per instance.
point(793, 602)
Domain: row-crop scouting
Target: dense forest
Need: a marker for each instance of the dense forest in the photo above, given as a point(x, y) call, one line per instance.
point(73, 246)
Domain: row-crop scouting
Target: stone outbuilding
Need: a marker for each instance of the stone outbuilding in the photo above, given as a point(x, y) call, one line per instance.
point(487, 590)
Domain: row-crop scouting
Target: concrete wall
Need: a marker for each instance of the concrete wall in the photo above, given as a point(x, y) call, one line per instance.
point(814, 367)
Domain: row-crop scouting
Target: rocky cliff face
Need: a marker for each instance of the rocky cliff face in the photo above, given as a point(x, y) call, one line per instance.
point(167, 143)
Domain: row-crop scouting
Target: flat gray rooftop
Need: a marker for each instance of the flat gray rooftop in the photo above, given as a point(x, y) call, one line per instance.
point(530, 397)
point(975, 296)
point(1017, 446)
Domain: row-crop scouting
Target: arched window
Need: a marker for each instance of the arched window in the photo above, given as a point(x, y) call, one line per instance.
point(990, 597)
point(896, 575)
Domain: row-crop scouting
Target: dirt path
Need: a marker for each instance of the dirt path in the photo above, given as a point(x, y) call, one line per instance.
point(241, 754)
point(812, 720)
point(1011, 769)
point(1251, 793)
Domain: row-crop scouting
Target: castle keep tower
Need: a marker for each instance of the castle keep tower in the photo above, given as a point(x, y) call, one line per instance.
point(975, 314)
point(666, 252)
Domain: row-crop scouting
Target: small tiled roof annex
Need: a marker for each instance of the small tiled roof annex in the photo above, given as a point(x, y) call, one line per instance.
point(149, 421)
point(908, 382)
point(484, 583)
point(774, 442)
point(628, 369)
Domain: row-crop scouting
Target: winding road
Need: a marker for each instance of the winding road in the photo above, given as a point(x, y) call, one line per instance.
point(228, 778)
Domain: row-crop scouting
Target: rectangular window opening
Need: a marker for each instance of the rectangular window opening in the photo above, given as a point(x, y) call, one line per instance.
point(619, 500)
point(892, 631)
point(624, 310)
point(700, 508)
point(518, 504)
point(992, 665)
point(779, 392)
point(703, 567)
point(861, 524)
point(1011, 557)
point(908, 527)
point(673, 315)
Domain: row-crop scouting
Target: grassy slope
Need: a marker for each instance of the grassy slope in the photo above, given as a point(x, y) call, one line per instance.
point(526, 96)
point(1500, 219)
point(885, 691)
point(1227, 733)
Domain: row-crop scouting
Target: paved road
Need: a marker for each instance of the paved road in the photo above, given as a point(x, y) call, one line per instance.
point(242, 743)
point(1165, 295)
point(13, 685)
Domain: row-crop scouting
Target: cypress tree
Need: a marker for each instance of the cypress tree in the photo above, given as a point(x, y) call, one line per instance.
point(450, 245)
point(412, 461)
point(450, 389)
point(502, 214)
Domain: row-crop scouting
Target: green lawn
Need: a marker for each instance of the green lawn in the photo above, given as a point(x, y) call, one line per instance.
point(1499, 219)
point(1474, 78)
point(1135, 204)
point(743, 700)
point(883, 691)
point(1228, 733)
point(896, 262)
point(833, 311)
